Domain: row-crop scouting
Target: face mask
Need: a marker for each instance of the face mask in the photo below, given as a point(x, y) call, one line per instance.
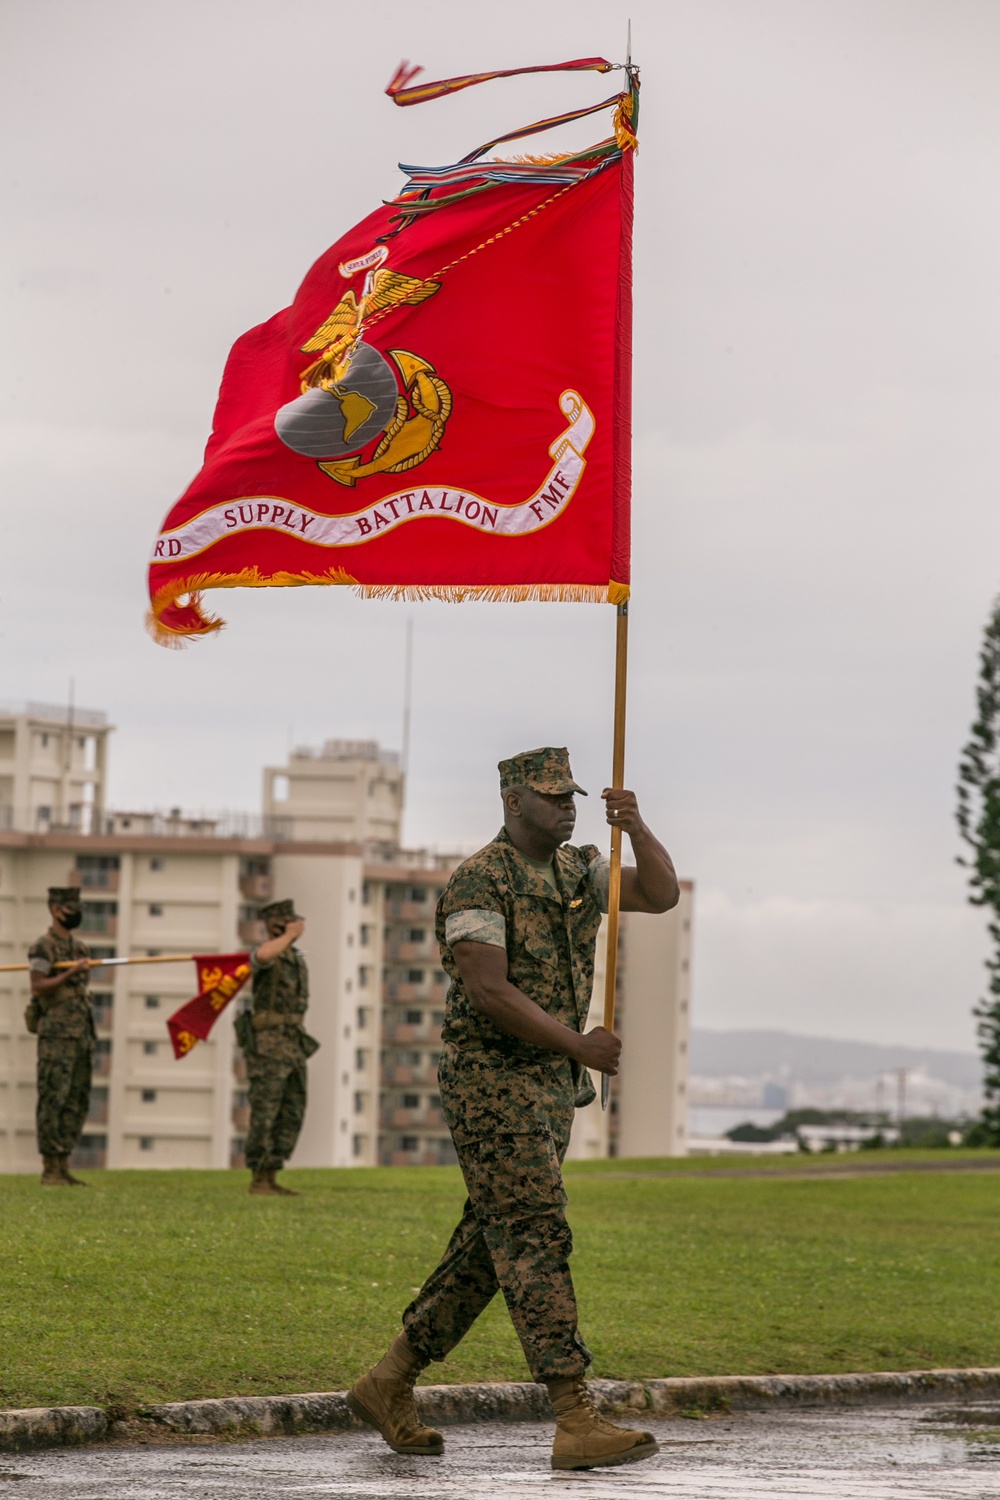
point(72, 919)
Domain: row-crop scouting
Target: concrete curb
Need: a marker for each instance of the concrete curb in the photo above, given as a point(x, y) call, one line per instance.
point(444, 1405)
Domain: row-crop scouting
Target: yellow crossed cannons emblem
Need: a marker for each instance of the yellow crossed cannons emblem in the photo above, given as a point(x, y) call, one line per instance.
point(350, 393)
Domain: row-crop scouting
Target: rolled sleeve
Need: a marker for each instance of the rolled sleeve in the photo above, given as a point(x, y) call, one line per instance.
point(39, 965)
point(599, 875)
point(476, 925)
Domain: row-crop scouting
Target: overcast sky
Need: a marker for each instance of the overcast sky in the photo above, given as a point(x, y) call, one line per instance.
point(816, 442)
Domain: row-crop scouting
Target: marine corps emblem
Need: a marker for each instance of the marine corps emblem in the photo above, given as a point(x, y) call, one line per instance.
point(351, 394)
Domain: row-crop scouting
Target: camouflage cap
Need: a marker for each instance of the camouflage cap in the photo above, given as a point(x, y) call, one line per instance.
point(280, 911)
point(64, 895)
point(546, 770)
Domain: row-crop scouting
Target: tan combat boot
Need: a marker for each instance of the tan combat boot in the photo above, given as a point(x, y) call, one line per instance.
point(585, 1439)
point(67, 1175)
point(262, 1184)
point(384, 1399)
point(282, 1192)
point(51, 1175)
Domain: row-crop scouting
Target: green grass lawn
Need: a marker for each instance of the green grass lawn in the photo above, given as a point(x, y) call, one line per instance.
point(168, 1285)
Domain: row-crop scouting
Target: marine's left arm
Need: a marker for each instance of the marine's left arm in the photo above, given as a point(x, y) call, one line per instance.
point(652, 885)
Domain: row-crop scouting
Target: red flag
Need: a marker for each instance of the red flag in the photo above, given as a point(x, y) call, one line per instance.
point(221, 976)
point(444, 410)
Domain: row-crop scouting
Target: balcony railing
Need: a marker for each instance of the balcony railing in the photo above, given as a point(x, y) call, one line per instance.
point(412, 911)
point(103, 1011)
point(409, 1075)
point(402, 953)
point(95, 880)
point(413, 1119)
point(404, 1034)
point(100, 923)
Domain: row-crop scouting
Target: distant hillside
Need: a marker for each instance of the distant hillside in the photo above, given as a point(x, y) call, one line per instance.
point(814, 1059)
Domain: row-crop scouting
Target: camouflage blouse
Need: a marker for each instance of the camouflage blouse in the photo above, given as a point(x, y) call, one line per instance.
point(65, 1011)
point(492, 1081)
point(281, 986)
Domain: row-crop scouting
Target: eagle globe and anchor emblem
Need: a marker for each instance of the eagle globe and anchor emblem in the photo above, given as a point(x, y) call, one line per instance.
point(351, 393)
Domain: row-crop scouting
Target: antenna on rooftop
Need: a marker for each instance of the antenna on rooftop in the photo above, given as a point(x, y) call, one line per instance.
point(407, 696)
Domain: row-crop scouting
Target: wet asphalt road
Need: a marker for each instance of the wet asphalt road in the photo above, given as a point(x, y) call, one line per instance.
point(913, 1454)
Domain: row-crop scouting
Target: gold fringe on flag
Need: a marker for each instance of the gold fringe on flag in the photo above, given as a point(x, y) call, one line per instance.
point(450, 593)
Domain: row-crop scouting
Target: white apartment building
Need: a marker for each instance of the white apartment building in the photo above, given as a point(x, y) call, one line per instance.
point(52, 766)
point(161, 884)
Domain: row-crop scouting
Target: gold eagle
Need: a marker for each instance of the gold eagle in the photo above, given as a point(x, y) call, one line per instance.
point(342, 329)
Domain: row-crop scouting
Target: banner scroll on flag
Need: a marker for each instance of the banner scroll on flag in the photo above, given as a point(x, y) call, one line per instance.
point(445, 408)
point(221, 976)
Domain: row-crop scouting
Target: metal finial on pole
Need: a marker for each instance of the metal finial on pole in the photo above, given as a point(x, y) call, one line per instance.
point(628, 46)
point(615, 879)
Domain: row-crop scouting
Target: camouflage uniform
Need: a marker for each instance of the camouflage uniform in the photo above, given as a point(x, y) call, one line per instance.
point(66, 1044)
point(276, 1056)
point(508, 1104)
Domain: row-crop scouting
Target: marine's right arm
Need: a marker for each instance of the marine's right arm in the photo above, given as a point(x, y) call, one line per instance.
point(43, 978)
point(273, 948)
point(483, 967)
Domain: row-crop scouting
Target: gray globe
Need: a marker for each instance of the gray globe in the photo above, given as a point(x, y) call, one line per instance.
point(332, 424)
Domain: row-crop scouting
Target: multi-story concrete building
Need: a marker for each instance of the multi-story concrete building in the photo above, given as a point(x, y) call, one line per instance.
point(52, 766)
point(155, 885)
point(351, 789)
point(647, 1113)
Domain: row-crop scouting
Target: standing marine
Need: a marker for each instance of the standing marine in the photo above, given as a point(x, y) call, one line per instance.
point(276, 1047)
point(517, 925)
point(60, 1012)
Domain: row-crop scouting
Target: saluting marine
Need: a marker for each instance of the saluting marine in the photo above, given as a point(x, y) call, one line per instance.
point(60, 1012)
point(517, 925)
point(276, 1047)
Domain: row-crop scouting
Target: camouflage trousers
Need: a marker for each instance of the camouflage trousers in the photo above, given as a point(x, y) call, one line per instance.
point(277, 1092)
point(513, 1237)
point(64, 1068)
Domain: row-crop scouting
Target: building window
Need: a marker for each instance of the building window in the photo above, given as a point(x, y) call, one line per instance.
point(152, 1002)
point(150, 1048)
point(97, 871)
point(99, 916)
point(362, 1017)
point(417, 893)
point(156, 864)
point(149, 1096)
point(360, 1101)
point(414, 976)
point(411, 1101)
point(45, 742)
point(361, 1059)
point(366, 894)
point(156, 911)
point(409, 1143)
point(437, 1016)
point(413, 1058)
point(417, 935)
point(358, 1145)
point(145, 1143)
point(363, 978)
point(365, 935)
point(414, 1017)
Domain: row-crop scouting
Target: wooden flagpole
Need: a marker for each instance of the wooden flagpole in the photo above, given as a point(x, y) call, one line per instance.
point(107, 963)
point(615, 880)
